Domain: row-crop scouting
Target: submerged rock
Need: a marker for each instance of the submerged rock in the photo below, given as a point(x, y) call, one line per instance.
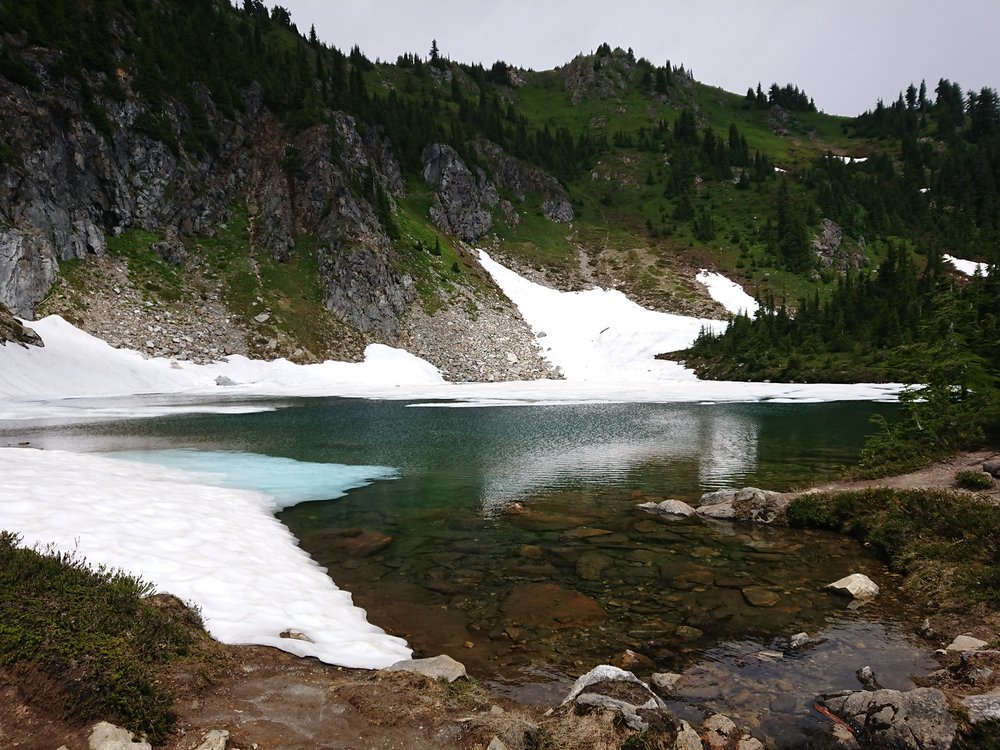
point(668, 509)
point(549, 605)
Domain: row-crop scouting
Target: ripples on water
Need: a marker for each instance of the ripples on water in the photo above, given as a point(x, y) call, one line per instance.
point(530, 598)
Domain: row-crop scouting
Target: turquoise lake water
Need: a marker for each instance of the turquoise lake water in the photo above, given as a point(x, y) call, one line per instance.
point(509, 539)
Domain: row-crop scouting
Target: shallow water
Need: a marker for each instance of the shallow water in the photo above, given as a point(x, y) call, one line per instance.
point(511, 541)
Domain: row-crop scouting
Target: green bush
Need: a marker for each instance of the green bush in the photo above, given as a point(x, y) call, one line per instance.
point(946, 539)
point(974, 480)
point(94, 633)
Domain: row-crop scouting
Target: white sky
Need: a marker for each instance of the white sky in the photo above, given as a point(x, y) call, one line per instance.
point(845, 54)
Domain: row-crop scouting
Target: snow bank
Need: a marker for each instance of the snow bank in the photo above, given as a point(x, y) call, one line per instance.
point(600, 335)
point(221, 549)
point(727, 293)
point(852, 159)
point(74, 364)
point(968, 267)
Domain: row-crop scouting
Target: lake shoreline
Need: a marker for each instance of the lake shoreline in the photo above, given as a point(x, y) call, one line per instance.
point(268, 698)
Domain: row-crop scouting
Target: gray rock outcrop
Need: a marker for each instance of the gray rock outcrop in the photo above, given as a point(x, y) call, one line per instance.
point(830, 251)
point(12, 330)
point(914, 720)
point(462, 201)
point(71, 184)
point(522, 178)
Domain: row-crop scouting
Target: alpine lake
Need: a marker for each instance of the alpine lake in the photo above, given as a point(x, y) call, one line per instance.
point(511, 541)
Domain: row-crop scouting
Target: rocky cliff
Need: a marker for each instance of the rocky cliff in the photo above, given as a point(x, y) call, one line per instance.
point(88, 157)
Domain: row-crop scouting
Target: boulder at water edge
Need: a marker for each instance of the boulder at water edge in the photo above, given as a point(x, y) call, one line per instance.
point(857, 585)
point(914, 720)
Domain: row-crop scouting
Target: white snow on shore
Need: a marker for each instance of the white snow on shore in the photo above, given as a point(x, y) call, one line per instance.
point(600, 335)
point(968, 267)
point(221, 549)
point(727, 293)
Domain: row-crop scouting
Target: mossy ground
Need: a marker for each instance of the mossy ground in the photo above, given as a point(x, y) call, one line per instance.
point(92, 637)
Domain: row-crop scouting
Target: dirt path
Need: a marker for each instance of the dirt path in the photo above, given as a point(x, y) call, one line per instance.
point(940, 475)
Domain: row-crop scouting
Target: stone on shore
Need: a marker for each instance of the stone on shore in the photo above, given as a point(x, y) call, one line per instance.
point(985, 707)
point(105, 736)
point(966, 642)
point(437, 667)
point(915, 720)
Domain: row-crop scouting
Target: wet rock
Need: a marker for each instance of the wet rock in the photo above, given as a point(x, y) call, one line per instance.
point(866, 676)
point(438, 667)
point(668, 509)
point(548, 605)
point(985, 707)
point(757, 596)
point(719, 732)
point(665, 681)
point(106, 736)
point(856, 585)
point(966, 642)
point(365, 544)
point(748, 505)
point(914, 720)
point(802, 641)
point(630, 661)
point(585, 532)
point(688, 633)
point(608, 688)
point(591, 565)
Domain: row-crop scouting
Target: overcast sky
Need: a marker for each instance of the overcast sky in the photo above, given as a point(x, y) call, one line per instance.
point(845, 54)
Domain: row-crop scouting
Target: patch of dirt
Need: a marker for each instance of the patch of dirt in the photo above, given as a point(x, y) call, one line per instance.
point(937, 476)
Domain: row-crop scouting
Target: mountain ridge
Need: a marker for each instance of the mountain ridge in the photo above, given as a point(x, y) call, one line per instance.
point(219, 154)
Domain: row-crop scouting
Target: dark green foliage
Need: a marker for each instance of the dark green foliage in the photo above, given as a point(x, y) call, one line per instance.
point(974, 480)
point(953, 537)
point(982, 736)
point(93, 632)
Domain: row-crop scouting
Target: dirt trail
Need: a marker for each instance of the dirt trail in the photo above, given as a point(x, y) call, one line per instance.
point(940, 475)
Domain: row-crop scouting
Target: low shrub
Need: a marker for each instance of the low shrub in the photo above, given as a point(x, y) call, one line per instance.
point(93, 634)
point(974, 480)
